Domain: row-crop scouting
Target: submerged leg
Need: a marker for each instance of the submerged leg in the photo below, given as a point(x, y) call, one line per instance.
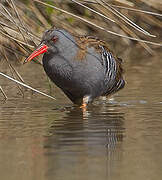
point(86, 99)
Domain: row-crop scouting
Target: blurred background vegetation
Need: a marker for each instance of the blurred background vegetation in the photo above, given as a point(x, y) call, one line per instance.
point(129, 26)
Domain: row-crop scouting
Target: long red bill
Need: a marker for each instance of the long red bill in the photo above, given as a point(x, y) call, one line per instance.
point(40, 50)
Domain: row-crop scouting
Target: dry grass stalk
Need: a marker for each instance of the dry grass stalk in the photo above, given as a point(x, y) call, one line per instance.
point(3, 93)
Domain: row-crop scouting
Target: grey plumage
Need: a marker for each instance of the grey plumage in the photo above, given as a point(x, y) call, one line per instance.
point(81, 65)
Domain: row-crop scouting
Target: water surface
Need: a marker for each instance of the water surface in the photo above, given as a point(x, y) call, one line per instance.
point(118, 139)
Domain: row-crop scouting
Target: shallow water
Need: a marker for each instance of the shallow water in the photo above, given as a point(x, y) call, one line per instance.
point(118, 139)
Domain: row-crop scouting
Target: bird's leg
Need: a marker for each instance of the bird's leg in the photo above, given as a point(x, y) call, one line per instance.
point(86, 100)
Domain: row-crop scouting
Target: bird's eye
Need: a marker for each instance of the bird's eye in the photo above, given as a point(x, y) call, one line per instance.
point(54, 38)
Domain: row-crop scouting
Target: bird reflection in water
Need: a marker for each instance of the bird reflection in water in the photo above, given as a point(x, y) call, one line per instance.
point(88, 143)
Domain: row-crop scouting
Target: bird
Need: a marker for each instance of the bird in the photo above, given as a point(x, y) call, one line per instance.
point(82, 66)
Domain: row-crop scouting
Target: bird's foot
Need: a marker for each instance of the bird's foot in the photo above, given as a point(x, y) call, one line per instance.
point(86, 100)
point(84, 107)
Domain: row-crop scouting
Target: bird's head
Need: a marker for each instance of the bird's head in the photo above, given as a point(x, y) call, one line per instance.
point(53, 40)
